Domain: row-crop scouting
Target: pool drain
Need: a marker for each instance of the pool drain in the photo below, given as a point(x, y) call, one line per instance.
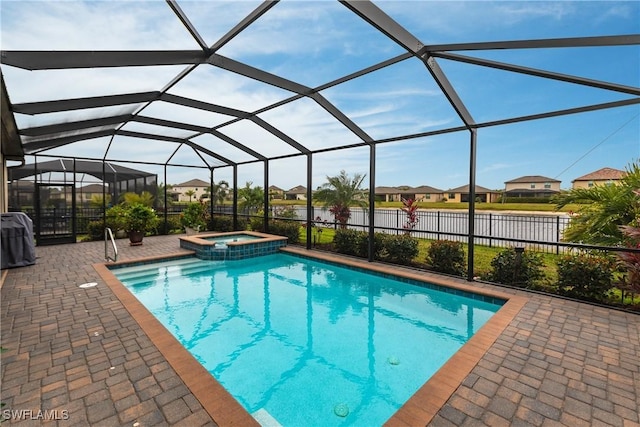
point(341, 410)
point(393, 360)
point(88, 285)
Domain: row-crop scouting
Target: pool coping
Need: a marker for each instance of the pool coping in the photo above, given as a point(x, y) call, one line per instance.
point(200, 239)
point(225, 410)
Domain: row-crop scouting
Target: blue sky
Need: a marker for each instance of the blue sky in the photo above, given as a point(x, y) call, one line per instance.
point(312, 43)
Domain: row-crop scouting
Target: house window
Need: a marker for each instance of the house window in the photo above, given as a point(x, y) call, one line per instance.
point(452, 195)
point(533, 186)
point(428, 196)
point(547, 185)
point(590, 184)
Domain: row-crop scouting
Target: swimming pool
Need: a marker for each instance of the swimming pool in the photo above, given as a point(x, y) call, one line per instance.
point(303, 342)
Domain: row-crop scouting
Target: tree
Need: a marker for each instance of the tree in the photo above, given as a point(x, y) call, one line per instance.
point(145, 198)
point(630, 261)
point(190, 193)
point(341, 192)
point(605, 209)
point(97, 201)
point(160, 193)
point(251, 198)
point(218, 192)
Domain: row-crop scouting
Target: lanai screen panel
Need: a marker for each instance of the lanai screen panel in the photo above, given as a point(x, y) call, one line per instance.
point(246, 73)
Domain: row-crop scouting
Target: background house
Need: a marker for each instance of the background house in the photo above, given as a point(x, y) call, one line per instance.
point(88, 192)
point(298, 192)
point(276, 192)
point(461, 194)
point(387, 194)
point(604, 176)
point(424, 193)
point(198, 186)
point(532, 186)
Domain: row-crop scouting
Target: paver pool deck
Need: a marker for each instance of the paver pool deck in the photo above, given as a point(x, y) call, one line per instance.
point(81, 356)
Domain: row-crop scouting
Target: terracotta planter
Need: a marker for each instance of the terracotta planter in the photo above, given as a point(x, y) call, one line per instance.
point(191, 231)
point(135, 238)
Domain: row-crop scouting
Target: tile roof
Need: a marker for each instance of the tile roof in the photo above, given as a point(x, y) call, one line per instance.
point(92, 188)
point(602, 174)
point(465, 189)
point(193, 183)
point(532, 178)
point(299, 189)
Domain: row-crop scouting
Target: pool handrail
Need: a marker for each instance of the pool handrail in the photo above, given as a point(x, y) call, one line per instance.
point(108, 235)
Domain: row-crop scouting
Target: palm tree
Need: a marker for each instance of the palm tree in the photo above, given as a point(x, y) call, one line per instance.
point(190, 193)
point(341, 192)
point(218, 192)
point(160, 193)
point(145, 198)
point(605, 209)
point(251, 198)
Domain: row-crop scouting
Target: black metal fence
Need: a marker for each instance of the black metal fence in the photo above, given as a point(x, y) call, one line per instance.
point(539, 232)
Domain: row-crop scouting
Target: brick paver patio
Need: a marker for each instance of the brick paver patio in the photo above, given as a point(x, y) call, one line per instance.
point(81, 354)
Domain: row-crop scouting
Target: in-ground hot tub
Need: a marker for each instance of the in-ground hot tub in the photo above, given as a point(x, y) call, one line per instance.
point(233, 245)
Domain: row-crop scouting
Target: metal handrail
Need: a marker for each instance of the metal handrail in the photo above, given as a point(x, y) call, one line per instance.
point(108, 234)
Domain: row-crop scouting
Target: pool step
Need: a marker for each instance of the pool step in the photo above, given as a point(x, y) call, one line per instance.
point(138, 267)
point(144, 273)
point(265, 419)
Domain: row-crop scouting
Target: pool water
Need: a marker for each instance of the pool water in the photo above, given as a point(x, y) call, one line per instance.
point(305, 343)
point(222, 241)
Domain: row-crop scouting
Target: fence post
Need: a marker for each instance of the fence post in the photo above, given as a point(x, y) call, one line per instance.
point(490, 229)
point(438, 226)
point(397, 220)
point(557, 234)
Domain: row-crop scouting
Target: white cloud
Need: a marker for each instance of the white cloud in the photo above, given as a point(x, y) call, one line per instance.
point(313, 45)
point(94, 25)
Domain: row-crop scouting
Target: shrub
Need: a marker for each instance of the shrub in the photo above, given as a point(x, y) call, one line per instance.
point(446, 256)
point(194, 216)
point(140, 218)
point(225, 223)
point(516, 269)
point(289, 229)
point(173, 224)
point(585, 276)
point(399, 249)
point(354, 242)
point(256, 223)
point(95, 230)
point(346, 241)
point(82, 224)
point(116, 217)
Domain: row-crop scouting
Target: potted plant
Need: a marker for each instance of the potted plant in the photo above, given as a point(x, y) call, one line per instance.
point(193, 218)
point(139, 219)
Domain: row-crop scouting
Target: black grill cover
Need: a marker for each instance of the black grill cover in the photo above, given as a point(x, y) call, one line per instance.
point(18, 248)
